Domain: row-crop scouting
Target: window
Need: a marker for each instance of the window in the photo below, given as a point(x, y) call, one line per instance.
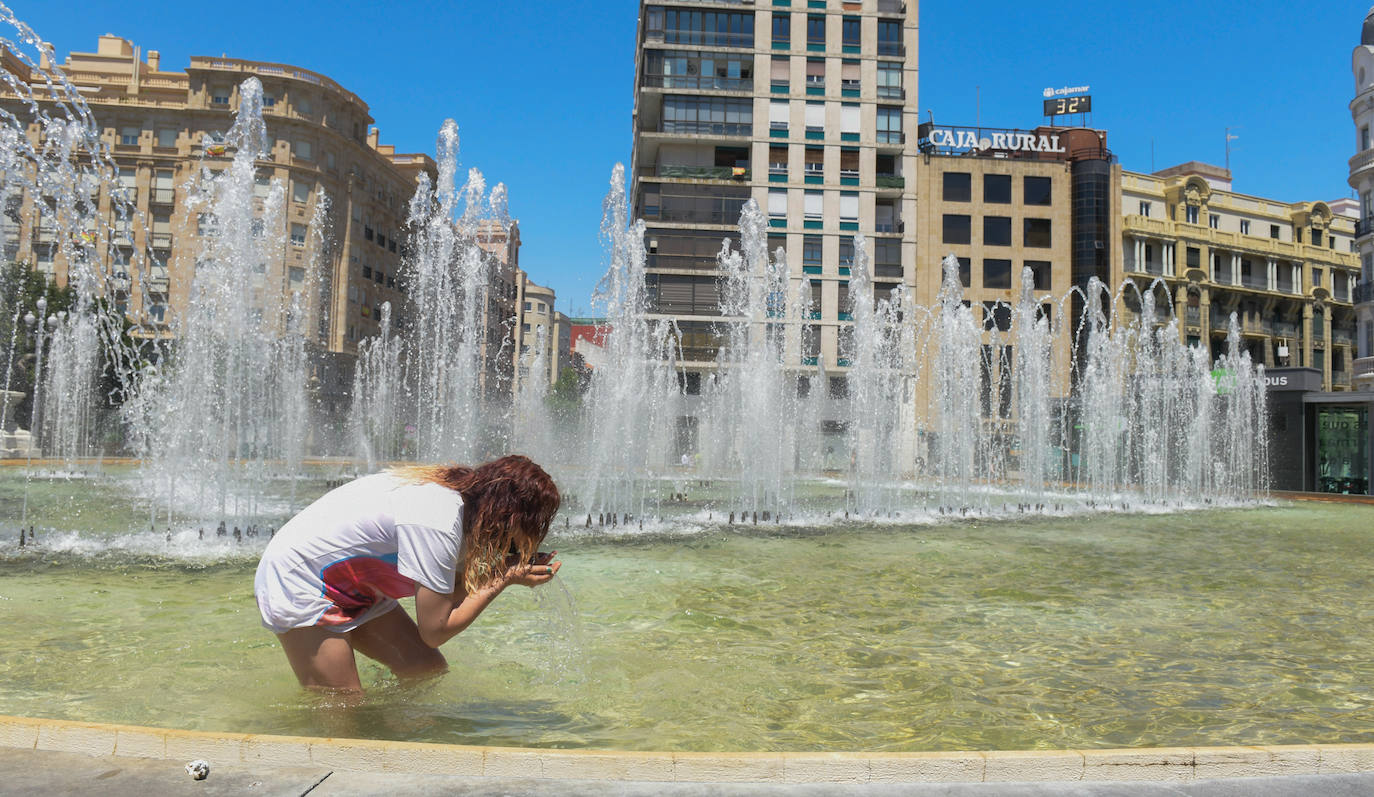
point(815, 117)
point(780, 73)
point(303, 106)
point(849, 29)
point(815, 73)
point(220, 97)
point(851, 76)
point(890, 80)
point(997, 231)
point(1193, 257)
point(782, 29)
point(1145, 208)
point(777, 160)
point(129, 136)
point(1036, 233)
point(1364, 138)
point(298, 235)
point(777, 203)
point(849, 119)
point(846, 251)
point(849, 164)
point(889, 125)
point(1274, 231)
point(849, 206)
point(268, 101)
point(957, 229)
point(966, 273)
point(1214, 221)
point(709, 115)
point(958, 187)
point(996, 315)
point(303, 150)
point(815, 31)
point(815, 204)
point(1192, 214)
point(889, 37)
point(1036, 191)
point(690, 69)
point(1244, 226)
point(296, 274)
point(1316, 237)
point(997, 274)
point(1040, 273)
point(997, 188)
point(814, 165)
point(1316, 278)
point(300, 190)
point(167, 138)
point(710, 28)
point(811, 250)
point(778, 114)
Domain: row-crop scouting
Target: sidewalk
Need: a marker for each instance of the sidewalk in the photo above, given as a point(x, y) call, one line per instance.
point(53, 773)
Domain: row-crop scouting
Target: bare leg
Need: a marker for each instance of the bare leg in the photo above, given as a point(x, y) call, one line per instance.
point(394, 640)
point(322, 659)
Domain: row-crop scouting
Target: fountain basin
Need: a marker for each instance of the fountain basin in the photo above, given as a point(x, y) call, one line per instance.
point(1094, 631)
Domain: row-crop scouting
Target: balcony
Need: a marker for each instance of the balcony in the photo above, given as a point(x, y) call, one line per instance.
point(892, 49)
point(1364, 368)
point(699, 128)
point(1286, 329)
point(699, 82)
point(1220, 321)
point(704, 172)
point(1364, 292)
point(1192, 316)
point(1345, 337)
point(890, 181)
point(1362, 161)
point(1363, 227)
point(163, 196)
point(891, 6)
point(701, 38)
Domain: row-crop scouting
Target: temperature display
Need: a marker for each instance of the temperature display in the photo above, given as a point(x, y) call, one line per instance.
point(1067, 105)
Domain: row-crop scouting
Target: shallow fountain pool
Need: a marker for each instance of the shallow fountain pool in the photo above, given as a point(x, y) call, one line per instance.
point(1238, 626)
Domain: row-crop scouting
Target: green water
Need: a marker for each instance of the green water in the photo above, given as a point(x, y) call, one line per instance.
point(1251, 626)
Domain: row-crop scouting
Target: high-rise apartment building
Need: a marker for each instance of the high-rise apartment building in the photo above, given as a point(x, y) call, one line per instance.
point(806, 106)
point(161, 127)
point(1362, 181)
point(1286, 270)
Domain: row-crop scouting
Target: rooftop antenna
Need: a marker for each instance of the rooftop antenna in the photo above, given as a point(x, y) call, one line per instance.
point(1229, 139)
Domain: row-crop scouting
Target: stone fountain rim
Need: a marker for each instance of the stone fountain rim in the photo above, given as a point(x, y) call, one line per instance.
point(1162, 764)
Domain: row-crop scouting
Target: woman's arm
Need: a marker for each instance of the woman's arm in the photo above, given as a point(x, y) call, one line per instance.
point(442, 617)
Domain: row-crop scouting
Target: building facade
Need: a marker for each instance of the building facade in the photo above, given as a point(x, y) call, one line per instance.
point(1362, 182)
point(811, 112)
point(1286, 270)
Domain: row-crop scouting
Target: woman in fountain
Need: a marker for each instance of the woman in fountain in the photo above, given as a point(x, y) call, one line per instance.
point(454, 537)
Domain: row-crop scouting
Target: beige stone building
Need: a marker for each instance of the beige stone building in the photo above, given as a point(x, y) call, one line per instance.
point(158, 122)
point(1287, 270)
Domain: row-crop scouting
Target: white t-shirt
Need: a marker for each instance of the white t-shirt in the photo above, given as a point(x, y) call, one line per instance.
point(347, 557)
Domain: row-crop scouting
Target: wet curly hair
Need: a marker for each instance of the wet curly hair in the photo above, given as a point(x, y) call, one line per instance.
point(508, 504)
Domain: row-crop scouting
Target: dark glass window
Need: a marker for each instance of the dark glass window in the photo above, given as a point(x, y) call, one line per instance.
point(965, 273)
point(997, 274)
point(889, 38)
point(958, 187)
point(811, 250)
point(997, 315)
point(1037, 233)
point(782, 28)
point(850, 29)
point(1316, 237)
point(1040, 273)
point(1037, 191)
point(957, 229)
point(997, 188)
point(1194, 257)
point(815, 30)
point(996, 231)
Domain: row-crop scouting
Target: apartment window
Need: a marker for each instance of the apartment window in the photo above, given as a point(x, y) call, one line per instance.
point(1316, 278)
point(815, 205)
point(268, 101)
point(889, 80)
point(220, 97)
point(129, 136)
point(777, 160)
point(815, 31)
point(889, 125)
point(680, 69)
point(849, 164)
point(1192, 212)
point(710, 115)
point(1145, 209)
point(1193, 257)
point(1036, 233)
point(849, 206)
point(367, 233)
point(851, 76)
point(303, 150)
point(710, 28)
point(780, 73)
point(1364, 138)
point(996, 315)
point(997, 231)
point(1149, 258)
point(529, 306)
point(303, 107)
point(540, 305)
point(329, 159)
point(782, 29)
point(262, 184)
point(815, 73)
point(167, 139)
point(778, 115)
point(298, 235)
point(811, 250)
point(1040, 274)
point(164, 190)
point(1274, 231)
point(846, 251)
point(889, 37)
point(815, 117)
point(958, 187)
point(997, 274)
point(1316, 237)
point(997, 188)
point(1214, 221)
point(300, 190)
point(777, 203)
point(296, 274)
point(957, 229)
point(849, 28)
point(1244, 226)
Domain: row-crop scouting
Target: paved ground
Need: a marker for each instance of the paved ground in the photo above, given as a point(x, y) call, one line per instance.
point(29, 772)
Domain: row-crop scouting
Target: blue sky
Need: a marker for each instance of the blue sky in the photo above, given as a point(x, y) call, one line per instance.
point(542, 91)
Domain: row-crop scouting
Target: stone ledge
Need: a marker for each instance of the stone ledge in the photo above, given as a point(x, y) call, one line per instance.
point(1172, 764)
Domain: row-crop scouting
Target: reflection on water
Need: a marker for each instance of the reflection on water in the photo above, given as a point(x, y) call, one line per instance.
point(1221, 627)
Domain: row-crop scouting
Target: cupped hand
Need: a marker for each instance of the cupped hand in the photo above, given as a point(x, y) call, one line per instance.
point(532, 575)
